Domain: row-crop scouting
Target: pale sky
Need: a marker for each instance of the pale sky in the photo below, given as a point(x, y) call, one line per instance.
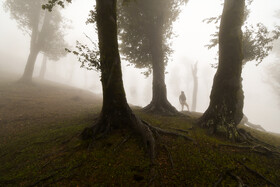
point(192, 34)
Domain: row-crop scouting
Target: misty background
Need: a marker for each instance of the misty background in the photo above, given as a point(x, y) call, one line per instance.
point(261, 104)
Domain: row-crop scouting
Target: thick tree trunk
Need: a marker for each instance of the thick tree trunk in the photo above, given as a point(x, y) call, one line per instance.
point(226, 101)
point(159, 103)
point(195, 87)
point(115, 112)
point(43, 67)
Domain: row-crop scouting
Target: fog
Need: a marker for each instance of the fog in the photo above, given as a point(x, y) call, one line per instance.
point(261, 104)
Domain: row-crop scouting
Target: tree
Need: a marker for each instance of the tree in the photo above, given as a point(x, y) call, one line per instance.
point(43, 67)
point(226, 100)
point(115, 113)
point(145, 32)
point(54, 46)
point(195, 86)
point(274, 77)
point(40, 25)
point(257, 40)
point(273, 70)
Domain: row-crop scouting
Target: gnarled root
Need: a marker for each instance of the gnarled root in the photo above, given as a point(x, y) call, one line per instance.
point(164, 108)
point(258, 174)
point(232, 175)
point(103, 126)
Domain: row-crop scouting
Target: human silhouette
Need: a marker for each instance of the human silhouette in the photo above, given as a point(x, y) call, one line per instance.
point(182, 100)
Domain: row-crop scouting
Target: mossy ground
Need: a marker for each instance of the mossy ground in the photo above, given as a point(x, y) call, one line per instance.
point(44, 148)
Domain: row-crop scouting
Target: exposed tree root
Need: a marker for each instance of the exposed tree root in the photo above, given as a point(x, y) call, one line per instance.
point(232, 175)
point(153, 176)
point(238, 179)
point(180, 130)
point(249, 124)
point(235, 134)
point(256, 149)
point(104, 125)
point(169, 156)
point(162, 109)
point(122, 142)
point(162, 131)
point(258, 175)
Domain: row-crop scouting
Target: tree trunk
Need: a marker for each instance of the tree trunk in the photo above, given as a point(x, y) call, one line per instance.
point(159, 103)
point(29, 68)
point(226, 100)
point(37, 40)
point(43, 67)
point(115, 113)
point(195, 87)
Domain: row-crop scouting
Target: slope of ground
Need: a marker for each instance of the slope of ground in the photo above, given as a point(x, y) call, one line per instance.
point(39, 145)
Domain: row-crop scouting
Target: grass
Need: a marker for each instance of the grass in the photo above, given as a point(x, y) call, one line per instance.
point(47, 151)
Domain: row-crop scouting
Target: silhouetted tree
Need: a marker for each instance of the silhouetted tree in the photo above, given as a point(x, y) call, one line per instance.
point(43, 27)
point(273, 70)
point(195, 86)
point(226, 101)
point(145, 32)
point(54, 46)
point(257, 40)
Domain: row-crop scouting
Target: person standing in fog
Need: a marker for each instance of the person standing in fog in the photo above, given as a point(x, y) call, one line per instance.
point(182, 100)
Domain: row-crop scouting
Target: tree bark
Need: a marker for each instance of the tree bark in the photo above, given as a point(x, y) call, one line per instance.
point(43, 67)
point(159, 103)
point(195, 87)
point(226, 100)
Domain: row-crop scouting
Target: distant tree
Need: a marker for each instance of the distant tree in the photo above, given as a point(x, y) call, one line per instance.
point(226, 100)
point(54, 46)
point(273, 69)
point(274, 77)
point(195, 86)
point(257, 40)
point(43, 67)
point(41, 26)
point(145, 33)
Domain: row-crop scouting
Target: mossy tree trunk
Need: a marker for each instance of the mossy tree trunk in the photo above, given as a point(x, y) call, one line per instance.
point(159, 103)
point(226, 101)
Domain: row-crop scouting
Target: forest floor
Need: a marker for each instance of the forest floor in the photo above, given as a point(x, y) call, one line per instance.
point(39, 145)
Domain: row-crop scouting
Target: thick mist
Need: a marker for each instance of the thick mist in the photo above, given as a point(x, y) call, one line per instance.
point(261, 104)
